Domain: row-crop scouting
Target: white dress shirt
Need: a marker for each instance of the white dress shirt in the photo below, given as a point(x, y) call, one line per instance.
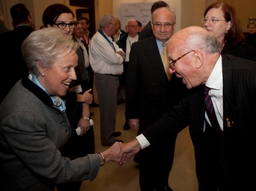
point(129, 41)
point(103, 58)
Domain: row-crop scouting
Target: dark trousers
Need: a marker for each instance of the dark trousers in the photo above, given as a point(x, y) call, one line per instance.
point(155, 164)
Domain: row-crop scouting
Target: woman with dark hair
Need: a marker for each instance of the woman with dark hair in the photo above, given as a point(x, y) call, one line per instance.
point(221, 20)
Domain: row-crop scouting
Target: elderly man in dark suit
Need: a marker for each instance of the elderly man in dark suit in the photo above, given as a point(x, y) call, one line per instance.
point(223, 139)
point(150, 92)
point(14, 65)
point(131, 36)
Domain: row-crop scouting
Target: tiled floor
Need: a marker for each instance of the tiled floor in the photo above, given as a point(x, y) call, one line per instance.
point(112, 177)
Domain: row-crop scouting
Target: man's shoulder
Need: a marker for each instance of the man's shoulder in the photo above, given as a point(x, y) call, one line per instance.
point(149, 40)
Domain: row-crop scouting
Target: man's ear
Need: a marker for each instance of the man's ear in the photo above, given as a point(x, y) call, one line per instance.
point(199, 59)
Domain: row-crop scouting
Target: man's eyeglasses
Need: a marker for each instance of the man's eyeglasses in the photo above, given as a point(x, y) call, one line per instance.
point(71, 25)
point(133, 26)
point(211, 20)
point(172, 62)
point(166, 25)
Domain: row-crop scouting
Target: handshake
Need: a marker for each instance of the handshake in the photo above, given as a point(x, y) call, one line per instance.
point(121, 153)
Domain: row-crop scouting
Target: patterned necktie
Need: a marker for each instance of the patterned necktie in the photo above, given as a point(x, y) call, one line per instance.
point(215, 125)
point(165, 61)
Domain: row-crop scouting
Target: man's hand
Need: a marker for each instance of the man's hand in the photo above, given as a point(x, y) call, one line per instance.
point(128, 151)
point(134, 124)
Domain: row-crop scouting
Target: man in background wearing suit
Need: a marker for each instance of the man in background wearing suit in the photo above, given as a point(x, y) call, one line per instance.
point(224, 143)
point(150, 92)
point(14, 65)
point(131, 36)
point(147, 29)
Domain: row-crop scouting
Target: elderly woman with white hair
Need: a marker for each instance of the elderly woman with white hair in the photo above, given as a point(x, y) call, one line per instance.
point(33, 123)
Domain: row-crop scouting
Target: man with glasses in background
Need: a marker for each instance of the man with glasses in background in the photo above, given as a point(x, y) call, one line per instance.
point(150, 92)
point(131, 36)
point(106, 60)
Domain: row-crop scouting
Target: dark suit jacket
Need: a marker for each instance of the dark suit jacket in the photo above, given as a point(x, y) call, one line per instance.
point(122, 41)
point(149, 94)
point(13, 65)
point(251, 39)
point(239, 95)
point(146, 31)
point(241, 50)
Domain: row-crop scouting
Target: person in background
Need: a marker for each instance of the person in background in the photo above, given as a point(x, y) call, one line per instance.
point(251, 27)
point(106, 60)
point(33, 123)
point(3, 29)
point(10, 44)
point(60, 17)
point(140, 25)
point(116, 37)
point(87, 139)
point(87, 35)
point(147, 29)
point(223, 141)
point(78, 33)
point(86, 38)
point(131, 36)
point(220, 20)
point(119, 32)
point(150, 92)
point(251, 37)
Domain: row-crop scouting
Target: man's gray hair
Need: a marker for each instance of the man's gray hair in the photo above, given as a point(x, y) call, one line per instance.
point(105, 20)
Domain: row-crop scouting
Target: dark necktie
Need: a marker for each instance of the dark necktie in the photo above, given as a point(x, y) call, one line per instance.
point(210, 111)
point(215, 125)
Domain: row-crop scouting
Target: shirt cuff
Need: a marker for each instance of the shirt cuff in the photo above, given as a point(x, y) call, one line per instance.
point(143, 141)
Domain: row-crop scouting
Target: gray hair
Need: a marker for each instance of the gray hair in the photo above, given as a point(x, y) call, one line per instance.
point(128, 21)
point(45, 45)
point(167, 8)
point(105, 20)
point(203, 41)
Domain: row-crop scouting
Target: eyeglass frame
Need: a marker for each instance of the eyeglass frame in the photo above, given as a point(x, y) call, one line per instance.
point(172, 62)
point(66, 24)
point(166, 25)
point(212, 20)
point(133, 26)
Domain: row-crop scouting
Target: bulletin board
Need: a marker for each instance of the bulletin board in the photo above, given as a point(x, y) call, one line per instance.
point(139, 11)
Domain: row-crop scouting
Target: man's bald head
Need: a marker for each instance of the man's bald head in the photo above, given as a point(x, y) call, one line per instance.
point(194, 38)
